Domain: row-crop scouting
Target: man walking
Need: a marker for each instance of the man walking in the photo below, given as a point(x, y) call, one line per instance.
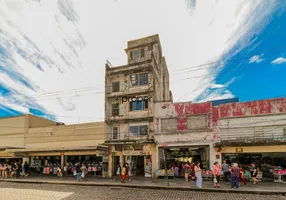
point(225, 169)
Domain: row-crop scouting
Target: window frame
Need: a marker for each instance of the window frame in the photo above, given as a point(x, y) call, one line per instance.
point(113, 86)
point(138, 134)
point(145, 105)
point(115, 138)
point(137, 82)
point(137, 54)
point(112, 109)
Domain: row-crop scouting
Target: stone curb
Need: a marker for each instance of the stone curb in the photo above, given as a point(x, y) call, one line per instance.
point(149, 187)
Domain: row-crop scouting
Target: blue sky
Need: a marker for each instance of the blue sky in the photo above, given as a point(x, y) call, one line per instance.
point(260, 79)
point(56, 70)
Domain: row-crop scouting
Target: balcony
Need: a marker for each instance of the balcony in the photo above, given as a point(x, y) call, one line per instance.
point(123, 139)
point(250, 139)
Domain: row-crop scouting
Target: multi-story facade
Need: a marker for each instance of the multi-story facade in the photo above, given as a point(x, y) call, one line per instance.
point(130, 93)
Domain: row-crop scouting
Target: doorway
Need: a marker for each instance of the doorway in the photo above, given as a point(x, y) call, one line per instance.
point(116, 161)
point(136, 164)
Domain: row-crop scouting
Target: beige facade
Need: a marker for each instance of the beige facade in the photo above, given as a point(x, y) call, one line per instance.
point(131, 91)
point(30, 136)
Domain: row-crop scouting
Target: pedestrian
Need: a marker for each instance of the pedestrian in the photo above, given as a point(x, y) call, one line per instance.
point(176, 170)
point(187, 169)
point(118, 170)
point(26, 168)
point(216, 174)
point(78, 172)
point(193, 175)
point(83, 171)
point(123, 174)
point(254, 172)
point(198, 174)
point(59, 171)
point(225, 169)
point(128, 171)
point(9, 170)
point(234, 175)
point(1, 166)
point(241, 178)
point(16, 170)
point(4, 171)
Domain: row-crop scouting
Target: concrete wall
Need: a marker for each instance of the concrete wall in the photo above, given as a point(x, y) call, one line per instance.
point(254, 127)
point(12, 131)
point(65, 136)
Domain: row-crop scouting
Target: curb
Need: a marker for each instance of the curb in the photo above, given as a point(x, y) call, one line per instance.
point(149, 187)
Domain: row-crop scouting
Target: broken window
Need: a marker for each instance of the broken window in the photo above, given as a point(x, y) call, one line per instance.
point(139, 79)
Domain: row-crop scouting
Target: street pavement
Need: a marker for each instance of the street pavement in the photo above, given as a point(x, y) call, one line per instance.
point(15, 191)
point(146, 183)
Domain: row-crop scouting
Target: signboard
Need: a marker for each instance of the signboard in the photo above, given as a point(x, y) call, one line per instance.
point(238, 150)
point(136, 153)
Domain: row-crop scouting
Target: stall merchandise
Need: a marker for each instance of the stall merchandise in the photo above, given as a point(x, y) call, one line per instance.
point(162, 172)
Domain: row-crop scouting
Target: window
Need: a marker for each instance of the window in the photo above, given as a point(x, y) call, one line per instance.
point(115, 87)
point(139, 79)
point(138, 105)
point(115, 109)
point(115, 133)
point(137, 54)
point(284, 130)
point(136, 131)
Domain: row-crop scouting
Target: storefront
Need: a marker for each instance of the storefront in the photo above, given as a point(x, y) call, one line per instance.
point(268, 158)
point(47, 162)
point(179, 155)
point(139, 158)
point(9, 157)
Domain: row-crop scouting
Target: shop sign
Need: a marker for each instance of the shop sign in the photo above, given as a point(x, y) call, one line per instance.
point(115, 153)
point(238, 150)
point(136, 153)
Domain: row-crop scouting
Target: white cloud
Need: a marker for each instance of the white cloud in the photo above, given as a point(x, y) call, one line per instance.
point(71, 45)
point(256, 59)
point(278, 61)
point(216, 86)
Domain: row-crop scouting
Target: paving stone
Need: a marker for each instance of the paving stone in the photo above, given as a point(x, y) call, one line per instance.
point(21, 191)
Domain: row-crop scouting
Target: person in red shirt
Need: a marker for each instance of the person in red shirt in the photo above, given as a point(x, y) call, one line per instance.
point(241, 178)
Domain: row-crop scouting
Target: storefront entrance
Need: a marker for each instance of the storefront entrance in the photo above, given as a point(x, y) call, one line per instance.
point(267, 162)
point(139, 165)
point(116, 162)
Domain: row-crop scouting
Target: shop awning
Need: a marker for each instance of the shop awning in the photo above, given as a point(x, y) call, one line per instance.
point(97, 147)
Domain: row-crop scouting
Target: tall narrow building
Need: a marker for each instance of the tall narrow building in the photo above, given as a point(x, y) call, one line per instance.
point(130, 93)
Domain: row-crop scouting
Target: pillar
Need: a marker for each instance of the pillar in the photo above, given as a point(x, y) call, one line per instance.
point(62, 160)
point(110, 162)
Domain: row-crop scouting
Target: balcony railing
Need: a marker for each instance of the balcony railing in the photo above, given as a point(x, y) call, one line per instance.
point(122, 137)
point(270, 138)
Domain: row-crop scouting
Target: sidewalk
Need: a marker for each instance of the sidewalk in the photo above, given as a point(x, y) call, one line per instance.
point(266, 188)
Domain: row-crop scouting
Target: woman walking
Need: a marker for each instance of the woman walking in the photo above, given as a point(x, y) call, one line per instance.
point(254, 172)
point(216, 174)
point(123, 174)
point(187, 168)
point(241, 178)
point(234, 175)
point(198, 174)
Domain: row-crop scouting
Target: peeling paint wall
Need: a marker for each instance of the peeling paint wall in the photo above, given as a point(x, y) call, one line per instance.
point(213, 117)
point(262, 107)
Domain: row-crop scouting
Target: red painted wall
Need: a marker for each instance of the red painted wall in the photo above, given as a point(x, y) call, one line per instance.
point(262, 107)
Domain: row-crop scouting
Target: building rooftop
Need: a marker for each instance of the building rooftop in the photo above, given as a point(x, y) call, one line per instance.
point(143, 41)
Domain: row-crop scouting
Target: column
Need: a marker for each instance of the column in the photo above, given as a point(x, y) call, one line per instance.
point(62, 160)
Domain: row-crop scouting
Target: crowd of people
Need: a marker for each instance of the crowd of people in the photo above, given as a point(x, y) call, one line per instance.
point(233, 173)
point(13, 170)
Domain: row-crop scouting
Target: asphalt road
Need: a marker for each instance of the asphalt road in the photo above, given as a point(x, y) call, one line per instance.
point(15, 191)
